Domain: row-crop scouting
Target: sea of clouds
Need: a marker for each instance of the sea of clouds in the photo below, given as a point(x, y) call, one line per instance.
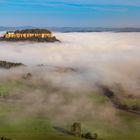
point(107, 58)
point(110, 59)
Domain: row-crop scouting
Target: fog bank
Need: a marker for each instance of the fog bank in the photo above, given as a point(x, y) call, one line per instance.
point(65, 88)
point(107, 58)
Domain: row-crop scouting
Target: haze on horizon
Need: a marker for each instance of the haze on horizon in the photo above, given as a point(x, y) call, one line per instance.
point(70, 13)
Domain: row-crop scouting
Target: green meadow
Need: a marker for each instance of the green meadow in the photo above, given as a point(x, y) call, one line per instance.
point(17, 123)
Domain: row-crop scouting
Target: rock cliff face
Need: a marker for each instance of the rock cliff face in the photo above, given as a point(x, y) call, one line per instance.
point(39, 35)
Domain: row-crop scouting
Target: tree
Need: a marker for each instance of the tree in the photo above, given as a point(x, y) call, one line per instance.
point(76, 129)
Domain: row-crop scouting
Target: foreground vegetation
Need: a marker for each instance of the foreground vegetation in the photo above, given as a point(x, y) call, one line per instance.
point(8, 65)
point(18, 124)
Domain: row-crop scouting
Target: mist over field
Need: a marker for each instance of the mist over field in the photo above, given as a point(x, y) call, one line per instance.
point(107, 58)
point(65, 78)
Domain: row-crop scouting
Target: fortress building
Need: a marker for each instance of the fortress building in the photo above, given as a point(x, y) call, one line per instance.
point(32, 33)
point(40, 35)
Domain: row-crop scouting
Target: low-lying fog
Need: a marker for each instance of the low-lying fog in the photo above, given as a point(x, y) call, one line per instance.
point(105, 58)
point(108, 58)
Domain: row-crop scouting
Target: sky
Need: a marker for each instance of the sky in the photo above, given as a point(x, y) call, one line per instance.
point(70, 13)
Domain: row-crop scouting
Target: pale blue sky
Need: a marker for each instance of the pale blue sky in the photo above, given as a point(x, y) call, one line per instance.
point(72, 13)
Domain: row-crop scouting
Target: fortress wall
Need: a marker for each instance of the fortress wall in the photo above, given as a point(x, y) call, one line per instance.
point(27, 35)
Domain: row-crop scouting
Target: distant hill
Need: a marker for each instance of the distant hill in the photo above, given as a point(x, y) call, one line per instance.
point(93, 29)
point(2, 28)
point(75, 29)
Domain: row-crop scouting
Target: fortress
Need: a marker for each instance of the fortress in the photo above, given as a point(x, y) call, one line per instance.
point(40, 35)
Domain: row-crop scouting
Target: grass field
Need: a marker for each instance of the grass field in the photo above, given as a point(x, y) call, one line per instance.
point(18, 124)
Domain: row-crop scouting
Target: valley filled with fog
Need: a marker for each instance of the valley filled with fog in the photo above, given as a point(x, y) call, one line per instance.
point(99, 57)
point(65, 78)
